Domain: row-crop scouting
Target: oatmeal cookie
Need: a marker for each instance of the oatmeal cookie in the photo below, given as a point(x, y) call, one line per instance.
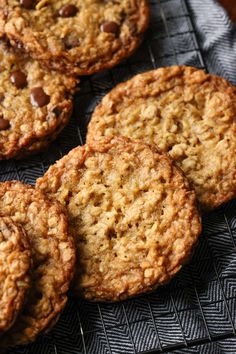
point(80, 36)
point(53, 257)
point(15, 261)
point(132, 214)
point(185, 112)
point(38, 145)
point(35, 104)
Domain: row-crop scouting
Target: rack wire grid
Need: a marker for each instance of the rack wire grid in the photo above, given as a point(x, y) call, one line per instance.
point(199, 305)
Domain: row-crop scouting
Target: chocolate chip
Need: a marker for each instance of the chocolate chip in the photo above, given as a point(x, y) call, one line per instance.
point(38, 97)
point(27, 4)
point(4, 124)
point(110, 27)
point(71, 41)
point(1, 97)
point(57, 111)
point(68, 11)
point(18, 78)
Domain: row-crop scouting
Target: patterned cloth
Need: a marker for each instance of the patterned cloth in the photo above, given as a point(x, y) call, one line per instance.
point(217, 37)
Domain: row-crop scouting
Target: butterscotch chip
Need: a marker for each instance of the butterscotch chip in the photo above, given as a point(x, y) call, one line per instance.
point(53, 256)
point(29, 99)
point(132, 214)
point(15, 261)
point(185, 112)
point(78, 36)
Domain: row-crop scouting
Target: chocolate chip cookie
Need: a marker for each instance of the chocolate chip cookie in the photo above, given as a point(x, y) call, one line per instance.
point(77, 36)
point(15, 261)
point(53, 257)
point(35, 104)
point(185, 112)
point(132, 214)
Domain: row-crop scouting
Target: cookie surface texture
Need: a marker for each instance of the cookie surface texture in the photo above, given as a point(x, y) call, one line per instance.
point(15, 262)
point(79, 36)
point(185, 112)
point(35, 104)
point(132, 214)
point(53, 257)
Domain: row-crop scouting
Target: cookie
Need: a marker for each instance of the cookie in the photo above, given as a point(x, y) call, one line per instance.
point(38, 145)
point(185, 112)
point(15, 261)
point(35, 104)
point(132, 214)
point(53, 257)
point(77, 36)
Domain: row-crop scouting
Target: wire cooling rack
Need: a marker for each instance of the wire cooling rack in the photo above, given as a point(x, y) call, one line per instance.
point(196, 312)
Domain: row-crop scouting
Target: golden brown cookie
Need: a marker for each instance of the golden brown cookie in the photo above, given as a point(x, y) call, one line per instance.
point(53, 256)
point(35, 104)
point(132, 214)
point(38, 145)
point(185, 112)
point(15, 261)
point(77, 36)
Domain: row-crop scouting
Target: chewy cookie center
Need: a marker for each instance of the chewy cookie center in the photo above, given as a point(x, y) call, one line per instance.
point(122, 211)
point(185, 125)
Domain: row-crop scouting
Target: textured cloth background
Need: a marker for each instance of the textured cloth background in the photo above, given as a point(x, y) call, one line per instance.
point(217, 37)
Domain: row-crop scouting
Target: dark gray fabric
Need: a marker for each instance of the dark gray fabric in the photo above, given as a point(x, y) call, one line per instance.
point(217, 37)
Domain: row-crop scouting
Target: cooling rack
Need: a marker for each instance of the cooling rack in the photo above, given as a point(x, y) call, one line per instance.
point(196, 312)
